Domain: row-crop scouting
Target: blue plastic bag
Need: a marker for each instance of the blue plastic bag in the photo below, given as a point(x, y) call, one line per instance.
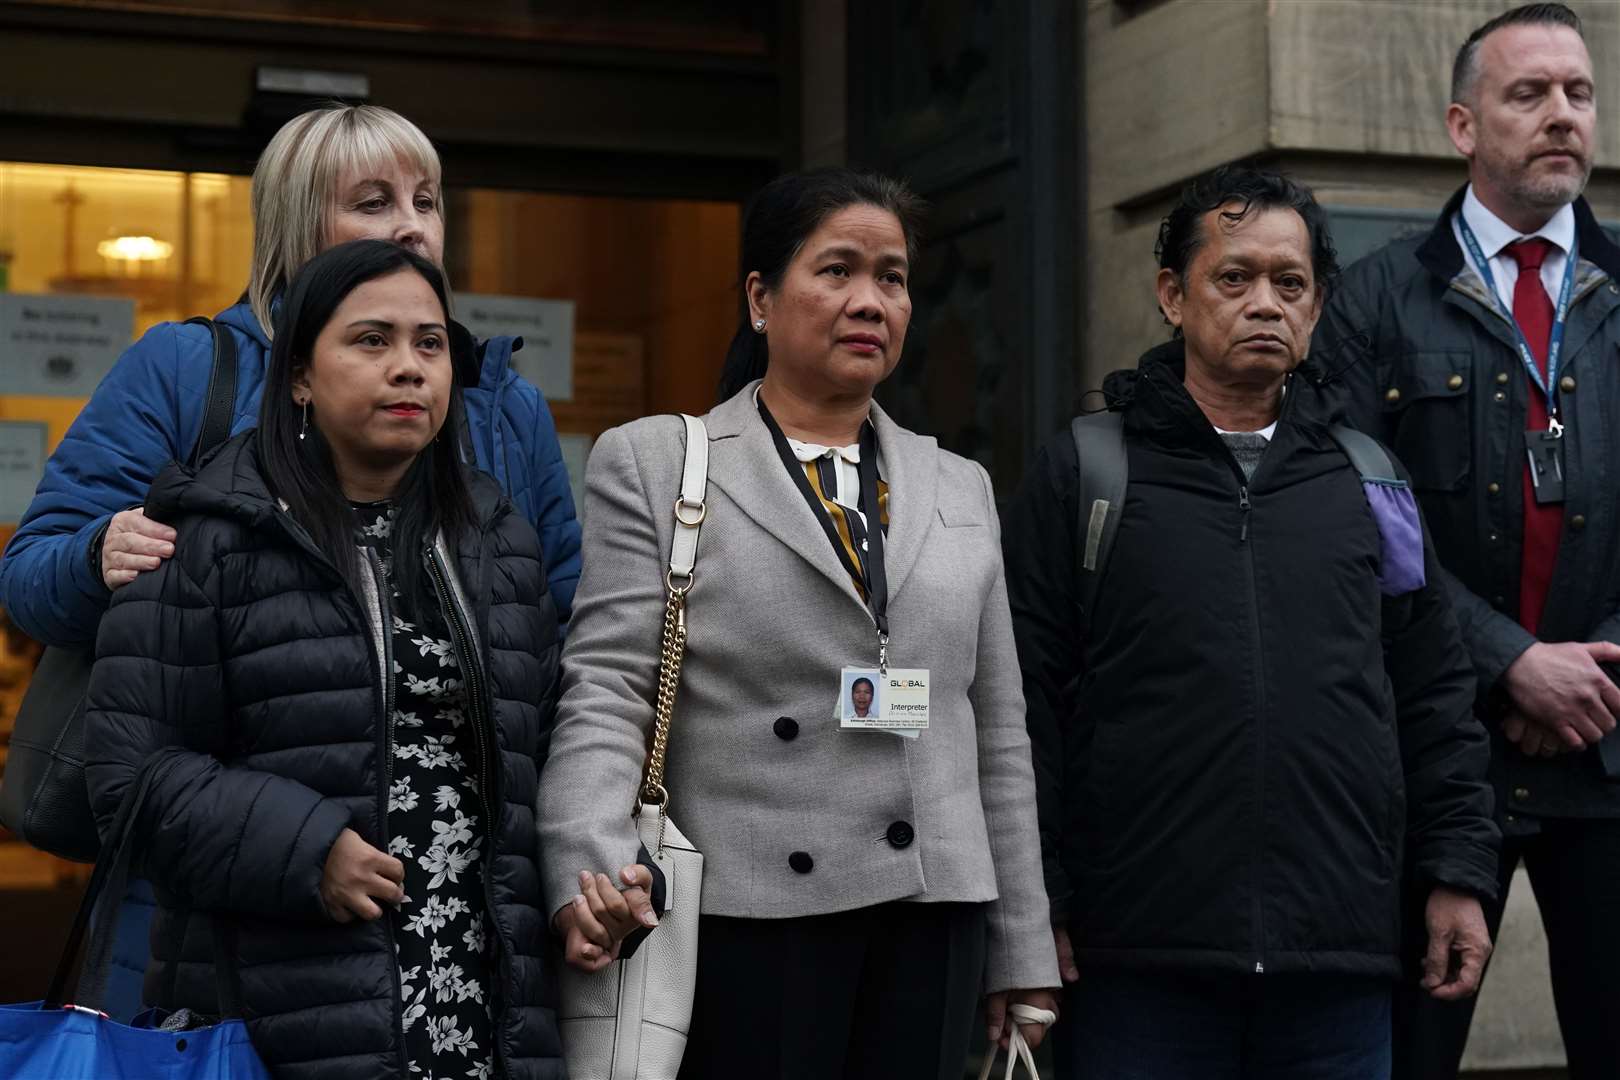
point(53, 1040)
point(72, 1043)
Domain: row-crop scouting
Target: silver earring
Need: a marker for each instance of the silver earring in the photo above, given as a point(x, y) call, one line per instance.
point(303, 428)
point(759, 326)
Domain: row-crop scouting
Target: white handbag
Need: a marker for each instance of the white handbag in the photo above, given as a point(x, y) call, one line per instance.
point(629, 1021)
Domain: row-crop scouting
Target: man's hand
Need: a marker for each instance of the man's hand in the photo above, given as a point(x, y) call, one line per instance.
point(999, 1028)
point(357, 875)
point(599, 918)
point(1532, 738)
point(1459, 945)
point(1561, 687)
point(1065, 954)
point(133, 544)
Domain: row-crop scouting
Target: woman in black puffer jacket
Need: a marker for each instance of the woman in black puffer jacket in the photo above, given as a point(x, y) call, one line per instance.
point(355, 646)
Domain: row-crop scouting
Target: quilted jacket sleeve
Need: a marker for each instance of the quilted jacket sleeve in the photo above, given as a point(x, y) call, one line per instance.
point(126, 433)
point(215, 837)
point(553, 500)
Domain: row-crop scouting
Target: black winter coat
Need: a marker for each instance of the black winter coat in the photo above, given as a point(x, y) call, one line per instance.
point(248, 650)
point(1238, 755)
point(1440, 380)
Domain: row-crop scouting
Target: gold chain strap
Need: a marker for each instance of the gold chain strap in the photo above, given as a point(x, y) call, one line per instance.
point(669, 680)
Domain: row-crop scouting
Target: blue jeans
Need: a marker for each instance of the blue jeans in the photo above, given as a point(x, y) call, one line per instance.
point(1133, 1025)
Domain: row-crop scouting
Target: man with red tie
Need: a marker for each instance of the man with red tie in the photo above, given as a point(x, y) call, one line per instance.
point(1487, 354)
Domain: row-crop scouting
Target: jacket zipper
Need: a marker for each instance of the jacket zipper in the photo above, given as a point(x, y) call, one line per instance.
point(1257, 918)
point(470, 660)
point(383, 645)
point(1258, 645)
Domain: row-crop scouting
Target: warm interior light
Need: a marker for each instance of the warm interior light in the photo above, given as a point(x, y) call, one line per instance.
point(135, 248)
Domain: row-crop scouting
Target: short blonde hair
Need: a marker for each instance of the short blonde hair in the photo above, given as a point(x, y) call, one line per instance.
point(295, 186)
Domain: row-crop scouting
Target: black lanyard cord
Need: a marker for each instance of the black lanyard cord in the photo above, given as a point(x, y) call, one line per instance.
point(870, 570)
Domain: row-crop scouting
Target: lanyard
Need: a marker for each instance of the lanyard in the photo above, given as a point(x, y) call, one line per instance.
point(1555, 340)
point(869, 571)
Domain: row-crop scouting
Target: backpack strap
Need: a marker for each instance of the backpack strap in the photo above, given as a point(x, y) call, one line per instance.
point(1367, 457)
point(220, 405)
point(1099, 446)
point(1394, 510)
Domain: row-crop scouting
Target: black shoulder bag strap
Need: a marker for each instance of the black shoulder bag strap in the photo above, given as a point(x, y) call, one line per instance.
point(97, 916)
point(1099, 446)
point(219, 408)
point(106, 884)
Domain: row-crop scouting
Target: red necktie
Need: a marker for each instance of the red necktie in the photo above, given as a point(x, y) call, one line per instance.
point(1533, 311)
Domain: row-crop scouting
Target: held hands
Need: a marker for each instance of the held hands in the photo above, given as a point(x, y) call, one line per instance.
point(600, 917)
point(133, 544)
point(1459, 945)
point(1561, 697)
point(357, 876)
point(999, 1028)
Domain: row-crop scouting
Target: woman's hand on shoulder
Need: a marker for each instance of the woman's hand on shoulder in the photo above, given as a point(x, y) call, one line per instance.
point(133, 544)
point(357, 876)
point(998, 1024)
point(600, 917)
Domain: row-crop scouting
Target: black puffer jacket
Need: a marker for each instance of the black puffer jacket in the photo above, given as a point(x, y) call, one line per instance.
point(248, 649)
point(1234, 766)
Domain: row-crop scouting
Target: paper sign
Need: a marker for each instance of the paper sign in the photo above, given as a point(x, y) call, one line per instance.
point(22, 462)
point(61, 346)
point(547, 330)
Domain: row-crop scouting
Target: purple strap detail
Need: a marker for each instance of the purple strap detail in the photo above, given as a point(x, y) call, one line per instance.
point(1395, 510)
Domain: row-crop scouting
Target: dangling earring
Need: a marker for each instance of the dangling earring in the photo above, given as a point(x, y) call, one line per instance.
point(759, 326)
point(303, 428)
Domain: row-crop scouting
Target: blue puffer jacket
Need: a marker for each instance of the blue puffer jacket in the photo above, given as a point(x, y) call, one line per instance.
point(147, 412)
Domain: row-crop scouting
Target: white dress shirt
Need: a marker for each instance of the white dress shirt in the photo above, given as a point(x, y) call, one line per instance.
point(847, 463)
point(1267, 433)
point(1494, 235)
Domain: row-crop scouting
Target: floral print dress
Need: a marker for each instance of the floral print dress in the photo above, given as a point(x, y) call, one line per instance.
point(435, 828)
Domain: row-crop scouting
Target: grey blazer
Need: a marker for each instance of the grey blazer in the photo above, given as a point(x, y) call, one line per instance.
point(772, 617)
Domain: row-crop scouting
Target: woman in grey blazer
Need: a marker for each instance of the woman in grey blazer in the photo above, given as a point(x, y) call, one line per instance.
point(863, 888)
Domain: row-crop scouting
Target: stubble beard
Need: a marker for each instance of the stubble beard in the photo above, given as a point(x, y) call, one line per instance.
point(1546, 193)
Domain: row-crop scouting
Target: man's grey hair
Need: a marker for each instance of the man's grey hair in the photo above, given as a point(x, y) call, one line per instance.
point(1465, 71)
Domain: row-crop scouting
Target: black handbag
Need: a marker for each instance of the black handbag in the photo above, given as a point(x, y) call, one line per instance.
point(43, 797)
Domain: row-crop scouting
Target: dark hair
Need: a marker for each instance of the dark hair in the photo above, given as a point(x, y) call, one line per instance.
point(434, 492)
point(1465, 69)
point(776, 223)
point(862, 679)
point(1181, 234)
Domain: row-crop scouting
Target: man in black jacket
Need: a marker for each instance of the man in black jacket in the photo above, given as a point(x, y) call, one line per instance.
point(1505, 412)
point(1256, 733)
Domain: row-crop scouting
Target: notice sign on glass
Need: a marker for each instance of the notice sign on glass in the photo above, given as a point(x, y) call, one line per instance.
point(22, 462)
point(61, 346)
point(547, 330)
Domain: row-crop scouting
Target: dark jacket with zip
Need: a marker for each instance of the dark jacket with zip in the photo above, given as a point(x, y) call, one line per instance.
point(249, 650)
point(1435, 373)
point(1246, 745)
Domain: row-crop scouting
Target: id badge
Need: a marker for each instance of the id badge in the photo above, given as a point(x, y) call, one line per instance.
point(896, 702)
point(1545, 451)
